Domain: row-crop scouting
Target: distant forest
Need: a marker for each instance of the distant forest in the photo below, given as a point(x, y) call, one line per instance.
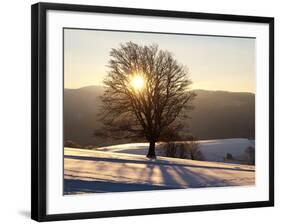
point(216, 115)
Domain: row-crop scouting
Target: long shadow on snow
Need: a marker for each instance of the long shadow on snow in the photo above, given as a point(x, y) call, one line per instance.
point(117, 160)
point(173, 177)
point(82, 186)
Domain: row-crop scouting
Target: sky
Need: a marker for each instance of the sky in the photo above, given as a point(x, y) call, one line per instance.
point(214, 63)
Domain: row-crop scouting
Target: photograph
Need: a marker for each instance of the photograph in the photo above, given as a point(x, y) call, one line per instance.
point(147, 111)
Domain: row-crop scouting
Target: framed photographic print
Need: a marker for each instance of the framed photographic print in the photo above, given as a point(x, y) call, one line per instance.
point(139, 111)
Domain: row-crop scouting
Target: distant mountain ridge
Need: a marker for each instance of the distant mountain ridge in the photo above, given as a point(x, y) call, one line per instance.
point(217, 115)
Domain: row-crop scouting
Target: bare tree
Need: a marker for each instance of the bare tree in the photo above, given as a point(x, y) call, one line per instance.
point(184, 150)
point(250, 155)
point(147, 91)
point(192, 148)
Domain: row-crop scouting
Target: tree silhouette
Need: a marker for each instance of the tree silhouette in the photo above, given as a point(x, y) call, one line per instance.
point(147, 92)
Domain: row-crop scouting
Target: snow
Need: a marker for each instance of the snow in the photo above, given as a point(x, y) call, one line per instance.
point(116, 170)
point(216, 150)
point(212, 150)
point(130, 148)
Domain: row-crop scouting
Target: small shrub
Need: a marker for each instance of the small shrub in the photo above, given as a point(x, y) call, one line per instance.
point(193, 150)
point(171, 149)
point(228, 156)
point(71, 144)
point(183, 150)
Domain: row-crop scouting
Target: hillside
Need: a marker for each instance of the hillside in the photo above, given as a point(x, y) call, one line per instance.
point(217, 115)
point(212, 150)
point(91, 171)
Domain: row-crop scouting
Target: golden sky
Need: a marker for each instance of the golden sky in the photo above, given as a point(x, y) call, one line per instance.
point(215, 63)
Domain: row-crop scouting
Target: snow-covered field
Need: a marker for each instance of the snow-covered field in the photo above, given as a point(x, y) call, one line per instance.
point(125, 168)
point(215, 150)
point(212, 150)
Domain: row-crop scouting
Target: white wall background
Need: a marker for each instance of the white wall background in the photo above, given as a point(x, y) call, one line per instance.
point(15, 110)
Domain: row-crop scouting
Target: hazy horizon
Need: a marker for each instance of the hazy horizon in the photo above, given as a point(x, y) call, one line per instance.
point(214, 90)
point(215, 63)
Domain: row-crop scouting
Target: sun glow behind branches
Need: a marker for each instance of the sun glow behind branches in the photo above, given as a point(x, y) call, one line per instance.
point(137, 82)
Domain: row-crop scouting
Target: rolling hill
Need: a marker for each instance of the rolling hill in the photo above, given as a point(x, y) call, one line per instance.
point(216, 115)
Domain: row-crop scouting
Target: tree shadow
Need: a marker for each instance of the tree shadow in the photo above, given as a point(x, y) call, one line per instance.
point(73, 186)
point(118, 160)
point(153, 175)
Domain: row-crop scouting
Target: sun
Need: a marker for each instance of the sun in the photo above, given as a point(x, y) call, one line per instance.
point(137, 82)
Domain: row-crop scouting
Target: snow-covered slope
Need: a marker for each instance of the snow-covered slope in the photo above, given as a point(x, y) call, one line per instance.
point(87, 171)
point(216, 150)
point(130, 148)
point(212, 150)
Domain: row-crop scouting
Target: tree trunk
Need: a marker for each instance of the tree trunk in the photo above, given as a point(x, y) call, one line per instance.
point(151, 151)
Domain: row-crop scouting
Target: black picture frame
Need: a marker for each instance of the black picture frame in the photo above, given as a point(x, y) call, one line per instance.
point(39, 122)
